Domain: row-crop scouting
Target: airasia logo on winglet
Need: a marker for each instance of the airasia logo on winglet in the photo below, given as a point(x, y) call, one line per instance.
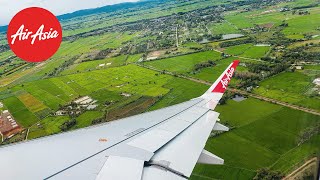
point(225, 81)
point(222, 84)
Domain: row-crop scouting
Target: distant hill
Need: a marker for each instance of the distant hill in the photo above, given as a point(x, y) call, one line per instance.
point(104, 9)
point(3, 28)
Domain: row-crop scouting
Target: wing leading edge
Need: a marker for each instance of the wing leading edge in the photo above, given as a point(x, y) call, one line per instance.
point(162, 144)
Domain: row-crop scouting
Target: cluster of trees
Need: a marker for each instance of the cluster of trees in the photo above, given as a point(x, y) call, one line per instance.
point(279, 39)
point(258, 72)
point(269, 59)
point(267, 174)
point(301, 54)
point(140, 48)
point(102, 54)
point(4, 48)
point(10, 68)
point(306, 6)
point(247, 79)
point(98, 121)
point(303, 12)
point(200, 66)
point(63, 66)
point(268, 70)
point(308, 133)
point(227, 95)
point(68, 124)
point(209, 37)
point(284, 24)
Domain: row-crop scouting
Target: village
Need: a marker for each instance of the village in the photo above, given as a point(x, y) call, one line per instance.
point(8, 125)
point(77, 107)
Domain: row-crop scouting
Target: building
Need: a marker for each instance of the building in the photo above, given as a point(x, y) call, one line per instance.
point(8, 124)
point(317, 81)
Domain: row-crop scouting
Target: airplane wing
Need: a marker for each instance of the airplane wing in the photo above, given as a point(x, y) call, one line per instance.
point(162, 144)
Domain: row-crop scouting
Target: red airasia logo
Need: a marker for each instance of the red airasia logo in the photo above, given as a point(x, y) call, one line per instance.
point(34, 34)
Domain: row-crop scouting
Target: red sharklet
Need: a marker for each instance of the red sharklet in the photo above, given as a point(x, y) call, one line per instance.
point(223, 84)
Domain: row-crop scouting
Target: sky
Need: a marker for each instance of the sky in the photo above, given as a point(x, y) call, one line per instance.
point(8, 8)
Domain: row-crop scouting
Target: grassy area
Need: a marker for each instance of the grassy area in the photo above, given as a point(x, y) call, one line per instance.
point(306, 24)
point(223, 28)
point(265, 136)
point(180, 90)
point(185, 63)
point(256, 52)
point(85, 119)
point(48, 126)
point(33, 104)
point(20, 112)
point(289, 87)
point(237, 50)
point(97, 64)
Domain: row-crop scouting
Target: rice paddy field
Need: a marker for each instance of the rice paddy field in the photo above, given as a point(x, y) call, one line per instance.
point(290, 87)
point(265, 136)
point(125, 82)
point(223, 28)
point(184, 64)
point(248, 51)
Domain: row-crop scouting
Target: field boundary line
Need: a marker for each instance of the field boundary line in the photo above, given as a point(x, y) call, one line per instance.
point(27, 134)
point(1, 137)
point(202, 176)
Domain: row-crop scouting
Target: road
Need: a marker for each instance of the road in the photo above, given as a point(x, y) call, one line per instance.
point(1, 137)
point(298, 172)
point(177, 37)
point(292, 106)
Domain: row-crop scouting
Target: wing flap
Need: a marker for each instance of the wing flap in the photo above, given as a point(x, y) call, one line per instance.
point(162, 134)
point(182, 153)
point(121, 168)
point(156, 173)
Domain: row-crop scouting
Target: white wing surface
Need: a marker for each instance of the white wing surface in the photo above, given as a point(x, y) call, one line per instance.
point(162, 144)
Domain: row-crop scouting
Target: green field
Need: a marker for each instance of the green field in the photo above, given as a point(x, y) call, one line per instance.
point(210, 74)
point(265, 136)
point(184, 64)
point(248, 51)
point(290, 87)
point(107, 56)
point(223, 28)
point(94, 65)
point(256, 52)
point(20, 112)
point(306, 24)
point(48, 126)
point(237, 50)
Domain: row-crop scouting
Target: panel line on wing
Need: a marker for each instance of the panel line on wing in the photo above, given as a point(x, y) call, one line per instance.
point(193, 105)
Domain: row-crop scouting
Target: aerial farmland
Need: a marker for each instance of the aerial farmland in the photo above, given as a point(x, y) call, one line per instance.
point(153, 54)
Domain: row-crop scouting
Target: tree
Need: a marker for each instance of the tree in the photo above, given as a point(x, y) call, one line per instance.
point(267, 174)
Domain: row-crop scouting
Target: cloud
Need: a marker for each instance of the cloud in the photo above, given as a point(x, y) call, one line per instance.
point(8, 8)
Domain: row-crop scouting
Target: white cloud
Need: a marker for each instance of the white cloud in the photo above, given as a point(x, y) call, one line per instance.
point(8, 8)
